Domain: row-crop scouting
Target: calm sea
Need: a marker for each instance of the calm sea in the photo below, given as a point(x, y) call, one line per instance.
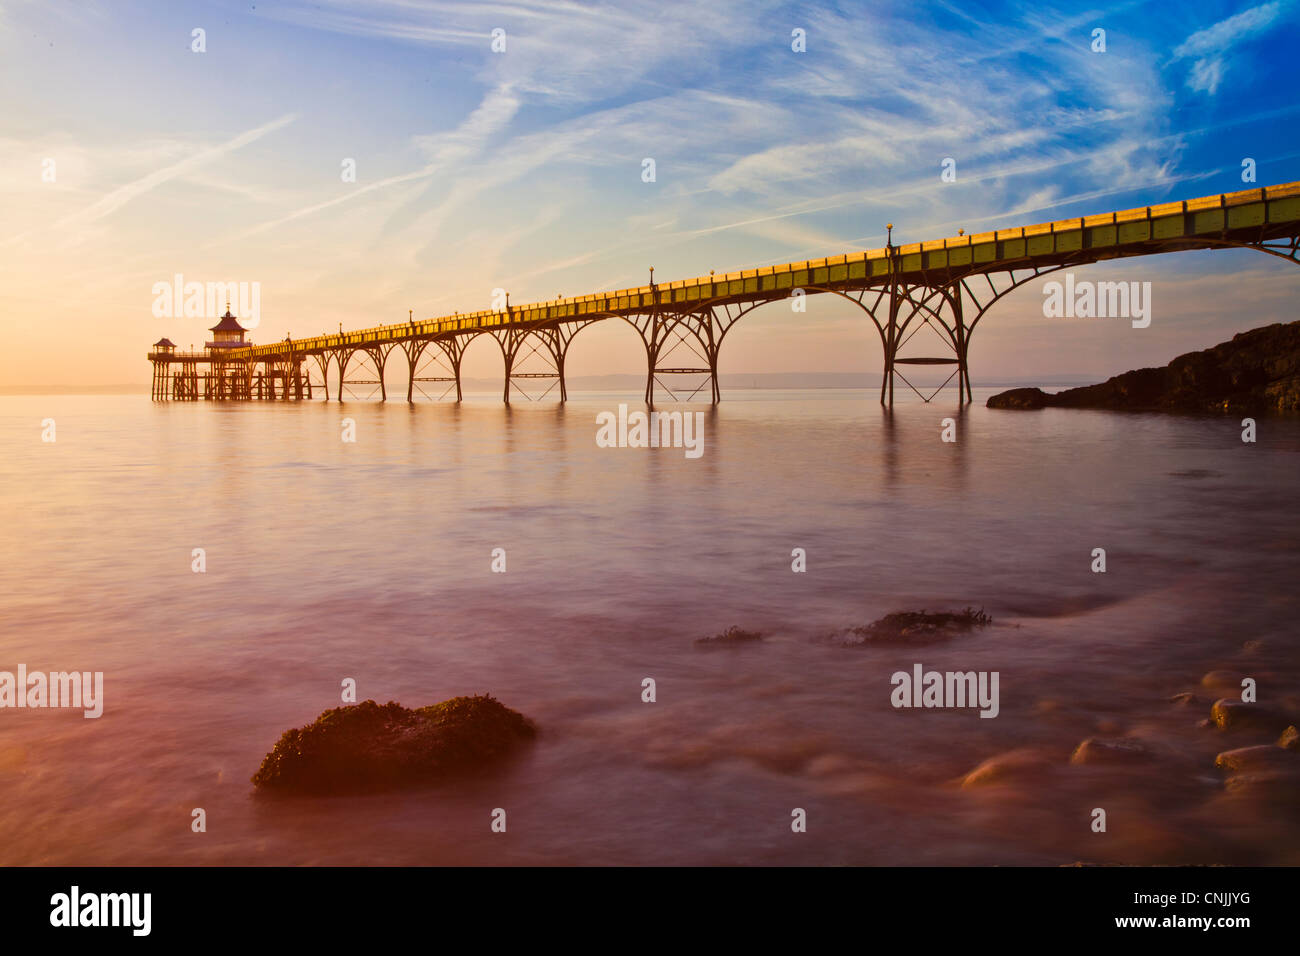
point(371, 560)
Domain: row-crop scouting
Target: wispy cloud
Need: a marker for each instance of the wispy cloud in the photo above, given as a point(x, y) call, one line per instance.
point(493, 113)
point(115, 200)
point(1210, 49)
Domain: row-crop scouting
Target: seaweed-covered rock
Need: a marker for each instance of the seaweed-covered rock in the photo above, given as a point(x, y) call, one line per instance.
point(368, 746)
point(917, 627)
point(731, 637)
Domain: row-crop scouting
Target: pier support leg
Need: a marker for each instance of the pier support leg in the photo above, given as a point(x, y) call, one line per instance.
point(682, 348)
point(323, 361)
point(341, 360)
point(435, 360)
point(914, 308)
point(376, 357)
point(970, 297)
point(537, 353)
point(379, 357)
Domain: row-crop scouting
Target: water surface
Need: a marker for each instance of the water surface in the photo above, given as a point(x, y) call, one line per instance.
point(372, 560)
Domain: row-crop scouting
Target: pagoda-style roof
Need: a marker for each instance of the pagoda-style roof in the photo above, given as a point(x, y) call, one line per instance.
point(228, 323)
point(164, 343)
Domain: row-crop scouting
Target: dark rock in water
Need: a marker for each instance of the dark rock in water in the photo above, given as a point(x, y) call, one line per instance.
point(1029, 398)
point(732, 636)
point(1279, 787)
point(917, 627)
point(1094, 750)
point(1229, 714)
point(1222, 681)
point(1010, 768)
point(1255, 372)
point(1262, 757)
point(367, 747)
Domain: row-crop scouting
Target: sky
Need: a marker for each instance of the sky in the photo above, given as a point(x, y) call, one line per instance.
point(128, 155)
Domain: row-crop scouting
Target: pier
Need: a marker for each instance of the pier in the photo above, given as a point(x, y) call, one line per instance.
point(945, 286)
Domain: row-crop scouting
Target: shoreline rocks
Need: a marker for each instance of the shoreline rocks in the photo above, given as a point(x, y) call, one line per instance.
point(1255, 372)
point(369, 747)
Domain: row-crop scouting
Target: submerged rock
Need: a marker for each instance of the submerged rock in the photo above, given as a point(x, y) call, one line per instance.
point(1262, 757)
point(1013, 766)
point(1256, 371)
point(1268, 772)
point(918, 627)
point(1022, 398)
point(1276, 786)
point(1094, 750)
point(1229, 714)
point(1221, 680)
point(731, 636)
point(368, 747)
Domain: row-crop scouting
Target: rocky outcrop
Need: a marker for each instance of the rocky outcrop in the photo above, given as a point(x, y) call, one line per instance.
point(1256, 372)
point(368, 747)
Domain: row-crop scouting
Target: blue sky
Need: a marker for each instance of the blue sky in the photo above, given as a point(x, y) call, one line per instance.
point(522, 169)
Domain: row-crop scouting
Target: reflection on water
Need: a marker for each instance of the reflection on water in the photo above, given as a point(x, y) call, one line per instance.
point(371, 560)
